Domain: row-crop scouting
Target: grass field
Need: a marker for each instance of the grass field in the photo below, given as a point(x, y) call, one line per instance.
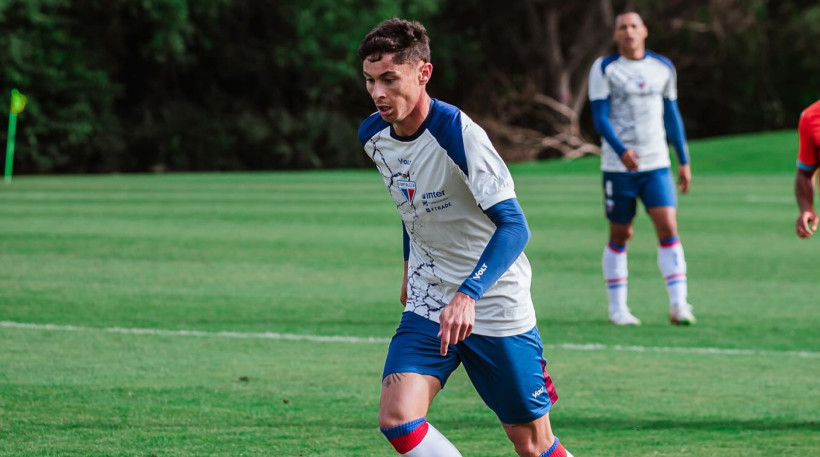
point(181, 315)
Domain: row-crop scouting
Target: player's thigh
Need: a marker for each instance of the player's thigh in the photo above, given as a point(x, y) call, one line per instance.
point(405, 397)
point(414, 370)
point(510, 375)
point(620, 194)
point(657, 189)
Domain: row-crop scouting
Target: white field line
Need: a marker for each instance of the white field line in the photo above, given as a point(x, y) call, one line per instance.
point(371, 340)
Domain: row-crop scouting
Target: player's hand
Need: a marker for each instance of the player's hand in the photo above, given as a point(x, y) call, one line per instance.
point(684, 178)
point(456, 321)
point(630, 160)
point(807, 224)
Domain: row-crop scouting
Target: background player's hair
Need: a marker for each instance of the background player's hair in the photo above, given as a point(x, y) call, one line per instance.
point(407, 39)
point(625, 12)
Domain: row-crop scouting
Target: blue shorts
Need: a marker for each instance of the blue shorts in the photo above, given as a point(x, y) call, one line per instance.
point(509, 373)
point(621, 190)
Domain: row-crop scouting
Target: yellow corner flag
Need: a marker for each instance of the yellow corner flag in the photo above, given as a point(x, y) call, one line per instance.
point(18, 102)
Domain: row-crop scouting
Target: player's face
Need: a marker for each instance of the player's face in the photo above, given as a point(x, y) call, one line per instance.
point(630, 33)
point(396, 89)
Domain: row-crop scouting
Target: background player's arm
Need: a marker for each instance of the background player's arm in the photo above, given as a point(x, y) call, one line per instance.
point(808, 160)
point(675, 134)
point(505, 246)
point(804, 192)
point(600, 117)
point(599, 96)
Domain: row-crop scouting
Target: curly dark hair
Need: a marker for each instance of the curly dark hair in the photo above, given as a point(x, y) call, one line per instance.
point(407, 40)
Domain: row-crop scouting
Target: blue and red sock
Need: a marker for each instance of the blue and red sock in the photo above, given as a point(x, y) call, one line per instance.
point(406, 436)
point(556, 450)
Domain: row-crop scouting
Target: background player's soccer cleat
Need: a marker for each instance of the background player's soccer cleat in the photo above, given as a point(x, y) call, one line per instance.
point(623, 317)
point(682, 315)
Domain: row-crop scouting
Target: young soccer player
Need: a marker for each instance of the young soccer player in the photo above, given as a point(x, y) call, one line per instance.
point(466, 288)
point(634, 107)
point(808, 159)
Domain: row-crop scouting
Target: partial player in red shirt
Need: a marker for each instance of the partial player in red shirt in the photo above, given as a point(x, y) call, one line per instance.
point(808, 160)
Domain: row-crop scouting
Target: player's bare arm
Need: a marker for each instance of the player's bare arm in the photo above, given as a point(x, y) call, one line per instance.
point(630, 160)
point(403, 293)
point(456, 321)
point(684, 178)
point(807, 220)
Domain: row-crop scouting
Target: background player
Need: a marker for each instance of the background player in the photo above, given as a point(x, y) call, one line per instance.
point(634, 107)
point(466, 287)
point(808, 159)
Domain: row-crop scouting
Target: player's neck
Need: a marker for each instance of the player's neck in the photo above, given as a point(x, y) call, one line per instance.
point(633, 54)
point(410, 124)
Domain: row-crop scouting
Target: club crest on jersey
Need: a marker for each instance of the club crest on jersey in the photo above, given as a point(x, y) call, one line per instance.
point(407, 187)
point(641, 84)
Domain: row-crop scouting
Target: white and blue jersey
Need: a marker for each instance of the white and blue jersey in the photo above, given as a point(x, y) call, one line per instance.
point(634, 106)
point(451, 189)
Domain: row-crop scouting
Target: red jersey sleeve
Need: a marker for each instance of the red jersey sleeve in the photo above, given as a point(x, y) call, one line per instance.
point(808, 131)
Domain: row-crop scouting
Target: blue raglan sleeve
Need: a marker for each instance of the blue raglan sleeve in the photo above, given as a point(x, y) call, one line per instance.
point(600, 99)
point(405, 242)
point(672, 120)
point(491, 184)
point(675, 134)
point(505, 246)
point(600, 117)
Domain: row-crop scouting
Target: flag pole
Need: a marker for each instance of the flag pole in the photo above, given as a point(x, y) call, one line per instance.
point(10, 146)
point(18, 104)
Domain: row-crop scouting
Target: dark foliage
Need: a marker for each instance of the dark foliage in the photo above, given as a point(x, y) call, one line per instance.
point(127, 86)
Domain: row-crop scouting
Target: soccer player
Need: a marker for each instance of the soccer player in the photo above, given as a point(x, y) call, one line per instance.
point(634, 107)
point(808, 159)
point(466, 287)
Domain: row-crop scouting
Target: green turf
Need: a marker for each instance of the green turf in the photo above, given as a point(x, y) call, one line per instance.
point(318, 253)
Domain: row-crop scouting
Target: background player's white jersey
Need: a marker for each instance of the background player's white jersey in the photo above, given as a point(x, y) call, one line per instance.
point(636, 89)
point(440, 179)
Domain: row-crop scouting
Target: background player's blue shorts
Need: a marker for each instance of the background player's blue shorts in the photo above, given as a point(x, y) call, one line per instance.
point(509, 373)
point(621, 190)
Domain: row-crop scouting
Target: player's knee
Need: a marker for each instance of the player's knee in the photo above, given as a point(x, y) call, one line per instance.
point(391, 416)
point(527, 448)
point(621, 236)
point(667, 231)
point(528, 443)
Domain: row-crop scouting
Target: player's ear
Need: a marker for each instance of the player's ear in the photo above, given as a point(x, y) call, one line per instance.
point(425, 72)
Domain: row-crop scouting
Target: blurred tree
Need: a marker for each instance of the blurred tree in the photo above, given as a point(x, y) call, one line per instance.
point(70, 119)
point(152, 85)
point(537, 58)
point(743, 65)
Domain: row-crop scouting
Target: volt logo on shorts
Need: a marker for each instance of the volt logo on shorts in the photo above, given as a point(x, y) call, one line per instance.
point(538, 392)
point(478, 274)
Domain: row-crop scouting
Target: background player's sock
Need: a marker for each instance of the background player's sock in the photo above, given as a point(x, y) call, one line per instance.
point(556, 450)
point(419, 439)
point(615, 273)
point(673, 267)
